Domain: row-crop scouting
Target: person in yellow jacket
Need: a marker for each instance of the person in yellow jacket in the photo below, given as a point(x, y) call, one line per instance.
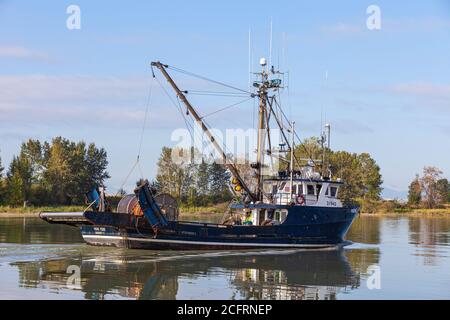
point(248, 218)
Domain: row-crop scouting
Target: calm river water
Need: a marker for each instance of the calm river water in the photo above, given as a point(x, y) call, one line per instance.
point(390, 258)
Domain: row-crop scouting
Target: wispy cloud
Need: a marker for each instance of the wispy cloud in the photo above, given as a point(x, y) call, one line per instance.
point(424, 93)
point(76, 116)
point(340, 125)
point(423, 88)
point(70, 88)
point(18, 52)
point(12, 136)
point(418, 94)
point(424, 24)
point(417, 24)
point(351, 126)
point(445, 129)
point(342, 28)
point(80, 100)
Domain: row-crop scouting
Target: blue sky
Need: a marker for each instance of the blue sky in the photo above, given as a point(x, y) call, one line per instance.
point(387, 93)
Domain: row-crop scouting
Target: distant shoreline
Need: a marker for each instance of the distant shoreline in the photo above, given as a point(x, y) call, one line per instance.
point(19, 214)
point(412, 212)
point(6, 212)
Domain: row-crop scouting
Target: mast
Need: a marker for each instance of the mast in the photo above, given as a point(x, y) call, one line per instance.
point(230, 166)
point(322, 142)
point(325, 138)
point(328, 128)
point(262, 93)
point(292, 156)
point(264, 85)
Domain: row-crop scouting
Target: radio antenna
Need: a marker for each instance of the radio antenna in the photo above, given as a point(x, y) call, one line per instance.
point(249, 58)
point(270, 46)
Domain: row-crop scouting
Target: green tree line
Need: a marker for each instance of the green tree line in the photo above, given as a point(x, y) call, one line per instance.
point(61, 171)
point(208, 182)
point(359, 172)
point(430, 190)
point(58, 172)
point(192, 184)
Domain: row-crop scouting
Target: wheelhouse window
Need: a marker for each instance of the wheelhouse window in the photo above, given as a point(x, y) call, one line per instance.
point(319, 187)
point(277, 216)
point(310, 189)
point(274, 189)
point(269, 187)
point(280, 215)
point(333, 191)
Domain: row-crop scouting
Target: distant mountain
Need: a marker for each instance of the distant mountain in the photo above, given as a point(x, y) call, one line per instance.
point(389, 193)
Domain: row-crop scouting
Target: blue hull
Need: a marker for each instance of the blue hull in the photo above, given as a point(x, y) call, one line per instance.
point(304, 227)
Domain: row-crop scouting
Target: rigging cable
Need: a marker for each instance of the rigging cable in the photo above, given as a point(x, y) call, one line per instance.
point(143, 129)
point(225, 108)
point(189, 126)
point(126, 178)
point(296, 134)
point(210, 80)
point(186, 119)
point(216, 93)
point(145, 120)
point(204, 121)
point(207, 79)
point(178, 107)
point(223, 145)
point(140, 143)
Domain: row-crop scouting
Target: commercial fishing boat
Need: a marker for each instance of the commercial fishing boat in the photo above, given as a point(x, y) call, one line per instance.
point(297, 208)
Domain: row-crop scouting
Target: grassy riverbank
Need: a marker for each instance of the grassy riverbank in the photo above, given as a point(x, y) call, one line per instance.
point(411, 212)
point(8, 211)
point(216, 209)
point(395, 207)
point(383, 208)
point(31, 211)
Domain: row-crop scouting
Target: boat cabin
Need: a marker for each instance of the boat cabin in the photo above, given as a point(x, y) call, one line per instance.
point(307, 192)
point(278, 199)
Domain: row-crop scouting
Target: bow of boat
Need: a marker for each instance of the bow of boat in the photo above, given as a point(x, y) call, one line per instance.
point(69, 218)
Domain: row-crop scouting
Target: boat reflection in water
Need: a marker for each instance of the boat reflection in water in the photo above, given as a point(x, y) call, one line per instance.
point(305, 275)
point(210, 275)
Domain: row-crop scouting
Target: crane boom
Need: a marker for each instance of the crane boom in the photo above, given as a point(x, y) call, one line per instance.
point(230, 166)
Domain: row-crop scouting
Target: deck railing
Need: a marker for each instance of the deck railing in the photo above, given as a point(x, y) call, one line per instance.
point(284, 198)
point(287, 198)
